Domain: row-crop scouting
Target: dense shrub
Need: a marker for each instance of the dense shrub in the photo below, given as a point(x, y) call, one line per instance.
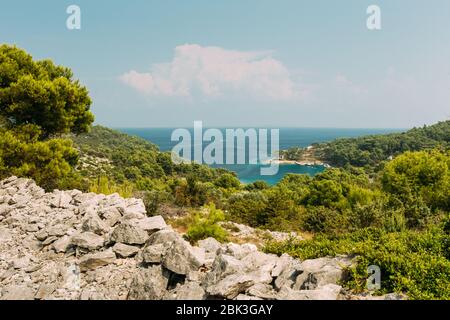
point(103, 185)
point(412, 262)
point(205, 224)
point(153, 199)
point(50, 162)
point(370, 151)
point(248, 208)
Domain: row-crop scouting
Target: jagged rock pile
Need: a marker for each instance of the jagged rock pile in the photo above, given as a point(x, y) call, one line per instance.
point(74, 245)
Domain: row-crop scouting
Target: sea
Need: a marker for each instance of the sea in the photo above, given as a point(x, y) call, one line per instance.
point(288, 137)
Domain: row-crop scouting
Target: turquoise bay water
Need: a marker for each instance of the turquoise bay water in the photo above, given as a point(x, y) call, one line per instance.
point(289, 137)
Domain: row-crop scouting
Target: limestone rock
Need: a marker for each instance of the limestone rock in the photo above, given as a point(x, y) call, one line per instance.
point(44, 291)
point(93, 223)
point(320, 272)
point(231, 286)
point(210, 245)
point(62, 244)
point(20, 292)
point(262, 290)
point(57, 230)
point(153, 253)
point(152, 224)
point(94, 260)
point(65, 245)
point(5, 235)
point(240, 251)
point(190, 291)
point(129, 234)
point(111, 215)
point(327, 292)
point(181, 258)
point(286, 271)
point(125, 251)
point(87, 240)
point(60, 199)
point(148, 284)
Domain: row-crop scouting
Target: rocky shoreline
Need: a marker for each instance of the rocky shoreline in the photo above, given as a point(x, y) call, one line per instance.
point(72, 245)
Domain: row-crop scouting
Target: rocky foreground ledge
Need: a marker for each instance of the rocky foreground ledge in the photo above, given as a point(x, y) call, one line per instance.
point(74, 245)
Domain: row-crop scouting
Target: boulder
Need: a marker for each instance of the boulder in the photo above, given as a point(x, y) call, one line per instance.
point(231, 286)
point(151, 224)
point(125, 251)
point(62, 244)
point(327, 292)
point(178, 255)
point(134, 209)
point(223, 266)
point(19, 292)
point(262, 290)
point(87, 240)
point(60, 199)
point(57, 230)
point(129, 234)
point(163, 237)
point(5, 235)
point(181, 258)
point(93, 223)
point(111, 215)
point(153, 253)
point(321, 271)
point(44, 291)
point(190, 291)
point(94, 260)
point(21, 262)
point(148, 284)
point(210, 245)
point(286, 271)
point(240, 251)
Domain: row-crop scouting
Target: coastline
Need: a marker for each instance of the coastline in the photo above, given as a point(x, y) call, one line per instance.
point(300, 162)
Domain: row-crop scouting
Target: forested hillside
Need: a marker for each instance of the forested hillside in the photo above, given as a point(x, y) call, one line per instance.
point(371, 150)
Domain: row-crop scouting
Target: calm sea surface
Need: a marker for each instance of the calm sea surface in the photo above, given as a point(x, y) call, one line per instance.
point(289, 137)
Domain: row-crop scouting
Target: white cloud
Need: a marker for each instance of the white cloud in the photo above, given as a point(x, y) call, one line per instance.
point(216, 72)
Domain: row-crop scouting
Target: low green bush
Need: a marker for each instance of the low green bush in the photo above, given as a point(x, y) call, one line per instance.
point(205, 224)
point(412, 262)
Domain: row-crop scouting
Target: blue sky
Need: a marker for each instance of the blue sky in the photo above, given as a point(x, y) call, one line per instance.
point(247, 63)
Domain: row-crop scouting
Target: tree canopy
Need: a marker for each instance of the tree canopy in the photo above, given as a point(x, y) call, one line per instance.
point(41, 93)
point(39, 101)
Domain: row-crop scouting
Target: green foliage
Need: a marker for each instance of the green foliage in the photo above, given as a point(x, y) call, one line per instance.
point(372, 150)
point(257, 185)
point(39, 100)
point(412, 262)
point(325, 193)
point(192, 192)
point(227, 181)
point(123, 158)
point(248, 208)
point(131, 158)
point(48, 162)
point(205, 225)
point(420, 178)
point(153, 199)
point(321, 219)
point(41, 93)
point(293, 153)
point(103, 185)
